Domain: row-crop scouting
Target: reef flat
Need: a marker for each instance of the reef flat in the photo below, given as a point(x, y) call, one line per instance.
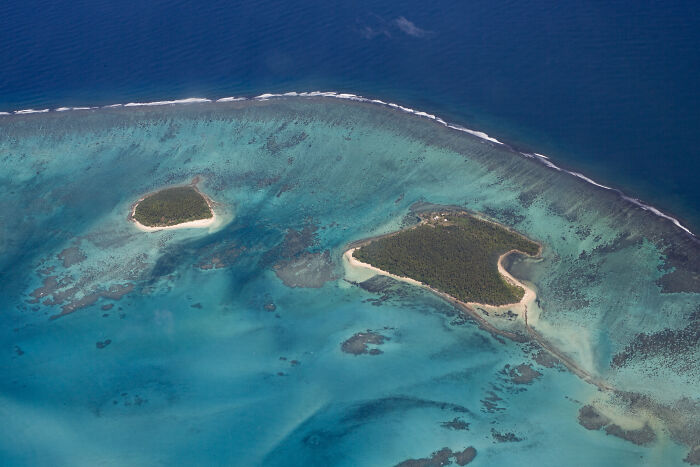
point(202, 326)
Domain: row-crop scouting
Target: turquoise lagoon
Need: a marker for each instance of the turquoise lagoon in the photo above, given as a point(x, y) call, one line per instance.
point(223, 346)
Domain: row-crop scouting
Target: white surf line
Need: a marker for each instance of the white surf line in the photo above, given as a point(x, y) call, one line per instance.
point(354, 97)
point(652, 209)
point(30, 111)
point(545, 160)
point(231, 99)
point(65, 109)
point(189, 100)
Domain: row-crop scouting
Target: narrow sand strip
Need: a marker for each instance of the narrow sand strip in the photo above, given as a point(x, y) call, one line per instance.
point(198, 224)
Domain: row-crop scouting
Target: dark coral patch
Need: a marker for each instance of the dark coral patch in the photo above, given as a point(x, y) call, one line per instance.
point(546, 359)
point(103, 344)
point(442, 457)
point(592, 419)
point(466, 456)
point(218, 255)
point(641, 436)
point(70, 256)
point(115, 292)
point(507, 437)
point(455, 424)
point(358, 344)
point(693, 457)
point(521, 374)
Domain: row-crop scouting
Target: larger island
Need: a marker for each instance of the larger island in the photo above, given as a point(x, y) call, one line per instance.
point(455, 253)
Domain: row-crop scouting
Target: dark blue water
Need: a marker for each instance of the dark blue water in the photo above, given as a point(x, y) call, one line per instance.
point(607, 88)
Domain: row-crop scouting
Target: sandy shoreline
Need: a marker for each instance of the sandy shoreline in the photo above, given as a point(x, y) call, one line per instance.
point(198, 224)
point(528, 296)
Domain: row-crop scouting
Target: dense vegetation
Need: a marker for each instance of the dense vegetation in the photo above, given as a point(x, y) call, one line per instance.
point(172, 206)
point(455, 253)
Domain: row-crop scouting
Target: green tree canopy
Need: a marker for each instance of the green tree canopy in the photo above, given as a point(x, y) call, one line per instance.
point(455, 253)
point(172, 206)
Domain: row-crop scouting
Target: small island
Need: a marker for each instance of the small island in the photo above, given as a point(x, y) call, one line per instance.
point(175, 207)
point(454, 253)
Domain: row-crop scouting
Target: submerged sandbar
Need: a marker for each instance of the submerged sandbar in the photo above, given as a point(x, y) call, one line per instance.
point(173, 208)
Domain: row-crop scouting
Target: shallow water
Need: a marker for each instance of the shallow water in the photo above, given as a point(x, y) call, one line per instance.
point(223, 346)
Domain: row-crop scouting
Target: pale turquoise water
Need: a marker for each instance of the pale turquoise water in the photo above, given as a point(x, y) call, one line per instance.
point(205, 385)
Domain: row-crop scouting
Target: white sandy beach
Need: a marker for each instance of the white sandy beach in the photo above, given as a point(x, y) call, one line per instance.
point(529, 294)
point(520, 306)
point(198, 224)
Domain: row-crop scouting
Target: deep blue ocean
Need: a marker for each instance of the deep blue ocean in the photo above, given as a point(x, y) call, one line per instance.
point(605, 88)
